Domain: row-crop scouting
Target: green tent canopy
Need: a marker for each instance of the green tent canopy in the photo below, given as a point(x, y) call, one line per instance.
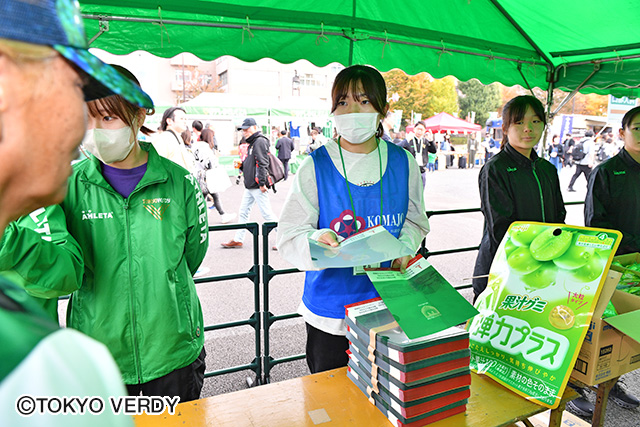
point(588, 45)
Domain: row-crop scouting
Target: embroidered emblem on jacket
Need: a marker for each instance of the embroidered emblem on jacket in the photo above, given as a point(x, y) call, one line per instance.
point(156, 207)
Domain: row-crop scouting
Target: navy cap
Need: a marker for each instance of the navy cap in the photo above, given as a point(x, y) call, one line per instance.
point(248, 122)
point(57, 23)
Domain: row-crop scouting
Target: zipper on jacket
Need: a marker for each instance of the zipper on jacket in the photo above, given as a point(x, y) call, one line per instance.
point(539, 190)
point(136, 352)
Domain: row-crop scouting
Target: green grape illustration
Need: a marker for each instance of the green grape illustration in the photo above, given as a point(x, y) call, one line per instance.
point(550, 244)
point(521, 237)
point(590, 271)
point(575, 257)
point(509, 247)
point(522, 261)
point(541, 278)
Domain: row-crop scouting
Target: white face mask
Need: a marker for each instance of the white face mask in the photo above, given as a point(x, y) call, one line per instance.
point(109, 145)
point(357, 128)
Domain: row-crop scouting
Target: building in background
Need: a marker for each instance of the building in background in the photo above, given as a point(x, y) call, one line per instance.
point(225, 91)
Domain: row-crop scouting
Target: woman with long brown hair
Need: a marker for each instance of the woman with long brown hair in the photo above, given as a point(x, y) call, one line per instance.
point(204, 151)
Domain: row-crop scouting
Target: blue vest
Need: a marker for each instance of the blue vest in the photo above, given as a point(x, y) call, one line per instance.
point(326, 292)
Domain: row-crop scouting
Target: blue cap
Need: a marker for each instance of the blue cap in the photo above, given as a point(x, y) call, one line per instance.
point(57, 23)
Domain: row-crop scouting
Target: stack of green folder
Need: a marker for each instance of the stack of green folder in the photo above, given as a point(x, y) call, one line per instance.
point(413, 382)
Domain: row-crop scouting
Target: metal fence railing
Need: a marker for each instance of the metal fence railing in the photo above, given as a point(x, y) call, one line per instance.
point(262, 274)
point(254, 320)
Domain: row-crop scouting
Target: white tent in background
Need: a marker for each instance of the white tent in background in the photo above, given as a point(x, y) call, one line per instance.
point(226, 111)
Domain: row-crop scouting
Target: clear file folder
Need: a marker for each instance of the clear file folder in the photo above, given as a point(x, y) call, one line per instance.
point(369, 247)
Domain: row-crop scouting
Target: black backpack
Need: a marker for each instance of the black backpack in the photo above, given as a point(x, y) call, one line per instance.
point(578, 151)
point(275, 171)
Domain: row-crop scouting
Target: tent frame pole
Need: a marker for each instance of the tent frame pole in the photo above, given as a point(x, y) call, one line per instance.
point(542, 147)
point(103, 26)
point(525, 80)
point(521, 31)
point(491, 56)
point(596, 68)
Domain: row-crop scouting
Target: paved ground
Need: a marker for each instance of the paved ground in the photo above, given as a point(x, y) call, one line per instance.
point(233, 300)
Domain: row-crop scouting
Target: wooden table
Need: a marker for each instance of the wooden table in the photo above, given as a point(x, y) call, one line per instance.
point(331, 399)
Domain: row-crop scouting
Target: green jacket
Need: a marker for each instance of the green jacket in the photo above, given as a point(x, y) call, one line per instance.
point(137, 294)
point(24, 325)
point(38, 267)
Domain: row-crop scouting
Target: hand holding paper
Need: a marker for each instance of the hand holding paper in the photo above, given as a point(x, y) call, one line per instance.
point(371, 246)
point(329, 239)
point(401, 263)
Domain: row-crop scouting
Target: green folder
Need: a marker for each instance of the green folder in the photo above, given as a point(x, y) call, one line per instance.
point(421, 300)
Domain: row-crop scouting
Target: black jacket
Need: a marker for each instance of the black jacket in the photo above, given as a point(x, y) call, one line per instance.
point(613, 199)
point(560, 150)
point(566, 147)
point(402, 143)
point(258, 151)
point(509, 191)
point(285, 147)
point(426, 147)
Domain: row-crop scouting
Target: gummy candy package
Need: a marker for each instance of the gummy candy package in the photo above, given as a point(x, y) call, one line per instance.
point(543, 286)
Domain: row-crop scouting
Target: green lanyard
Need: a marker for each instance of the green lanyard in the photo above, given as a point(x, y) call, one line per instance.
point(346, 180)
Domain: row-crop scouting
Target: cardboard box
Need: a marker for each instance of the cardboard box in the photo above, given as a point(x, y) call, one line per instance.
point(612, 345)
point(625, 260)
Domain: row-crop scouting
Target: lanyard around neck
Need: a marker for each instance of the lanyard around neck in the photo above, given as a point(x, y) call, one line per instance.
point(417, 142)
point(346, 180)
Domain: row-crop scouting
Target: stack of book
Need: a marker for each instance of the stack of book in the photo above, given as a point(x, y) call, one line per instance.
point(413, 382)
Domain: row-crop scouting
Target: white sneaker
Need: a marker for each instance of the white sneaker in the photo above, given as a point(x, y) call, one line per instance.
point(202, 271)
point(227, 218)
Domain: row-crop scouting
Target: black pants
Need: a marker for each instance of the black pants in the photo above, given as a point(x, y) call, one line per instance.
point(472, 159)
point(184, 382)
point(450, 161)
point(285, 165)
point(216, 203)
point(585, 169)
point(325, 351)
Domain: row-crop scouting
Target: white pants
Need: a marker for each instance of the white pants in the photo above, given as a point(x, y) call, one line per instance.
point(249, 198)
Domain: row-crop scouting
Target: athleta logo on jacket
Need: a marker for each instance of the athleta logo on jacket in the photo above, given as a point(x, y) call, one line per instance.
point(42, 225)
point(156, 207)
point(202, 208)
point(88, 214)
